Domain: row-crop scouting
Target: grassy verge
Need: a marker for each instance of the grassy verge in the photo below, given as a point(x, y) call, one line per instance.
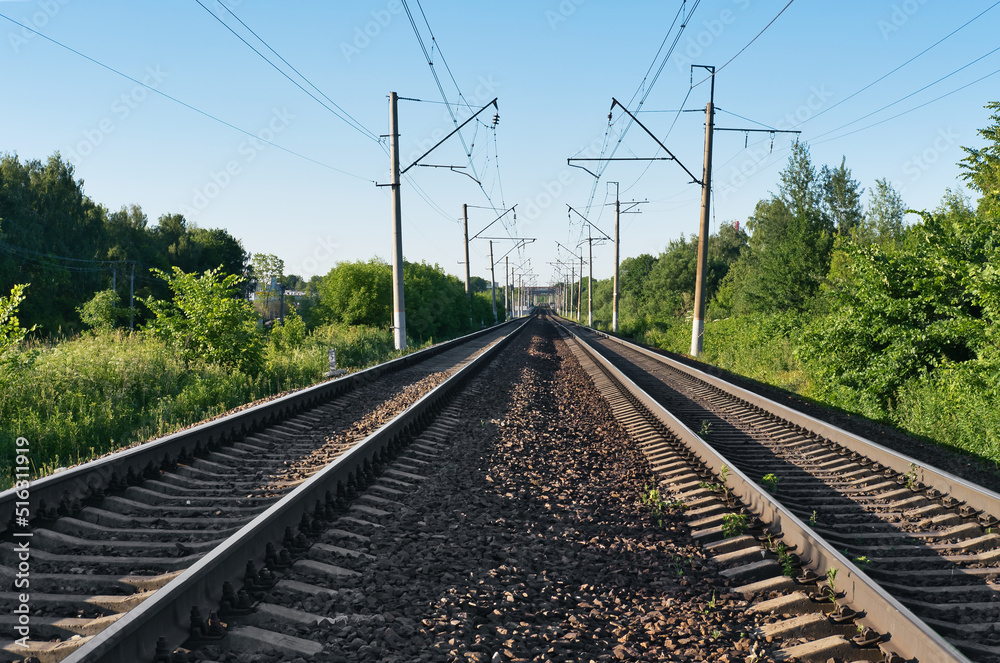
point(956, 406)
point(86, 396)
point(759, 347)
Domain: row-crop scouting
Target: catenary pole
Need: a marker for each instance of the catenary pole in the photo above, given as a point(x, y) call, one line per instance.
point(614, 298)
point(590, 281)
point(465, 230)
point(493, 283)
point(398, 302)
point(506, 288)
point(698, 322)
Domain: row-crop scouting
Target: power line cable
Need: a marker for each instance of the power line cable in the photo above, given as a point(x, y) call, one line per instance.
point(648, 90)
point(182, 103)
point(926, 103)
point(437, 80)
point(901, 99)
point(740, 52)
point(354, 123)
point(893, 71)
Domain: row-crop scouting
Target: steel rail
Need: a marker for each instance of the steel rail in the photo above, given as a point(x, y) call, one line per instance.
point(166, 614)
point(58, 492)
point(975, 496)
point(908, 635)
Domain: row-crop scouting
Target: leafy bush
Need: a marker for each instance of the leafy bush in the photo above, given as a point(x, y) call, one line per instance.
point(207, 319)
point(101, 311)
point(11, 331)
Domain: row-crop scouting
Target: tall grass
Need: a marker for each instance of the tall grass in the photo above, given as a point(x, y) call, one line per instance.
point(956, 405)
point(79, 398)
point(761, 347)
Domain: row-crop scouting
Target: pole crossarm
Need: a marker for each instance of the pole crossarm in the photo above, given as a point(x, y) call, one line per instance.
point(569, 161)
point(505, 213)
point(606, 236)
point(457, 129)
point(763, 131)
point(615, 102)
point(522, 241)
point(454, 169)
point(570, 251)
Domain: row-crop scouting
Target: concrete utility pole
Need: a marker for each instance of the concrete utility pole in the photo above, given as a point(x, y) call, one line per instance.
point(493, 283)
point(572, 276)
point(579, 292)
point(398, 303)
point(614, 295)
point(698, 322)
point(506, 288)
point(465, 230)
point(590, 281)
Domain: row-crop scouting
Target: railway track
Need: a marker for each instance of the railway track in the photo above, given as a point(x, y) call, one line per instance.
point(108, 535)
point(817, 545)
point(877, 547)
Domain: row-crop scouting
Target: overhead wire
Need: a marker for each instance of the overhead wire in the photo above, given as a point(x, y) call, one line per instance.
point(883, 77)
point(756, 37)
point(893, 71)
point(645, 90)
point(926, 103)
point(444, 61)
point(182, 103)
point(915, 92)
point(715, 72)
point(437, 80)
point(346, 117)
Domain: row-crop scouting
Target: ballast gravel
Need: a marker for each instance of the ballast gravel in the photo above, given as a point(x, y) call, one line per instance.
point(529, 541)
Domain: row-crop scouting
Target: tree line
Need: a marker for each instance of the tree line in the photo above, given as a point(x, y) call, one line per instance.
point(67, 264)
point(68, 247)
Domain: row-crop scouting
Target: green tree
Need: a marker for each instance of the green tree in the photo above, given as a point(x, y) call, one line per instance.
point(913, 307)
point(357, 293)
point(49, 226)
point(101, 311)
point(670, 282)
point(436, 304)
point(790, 245)
point(982, 166)
point(884, 216)
point(267, 272)
point(842, 199)
point(11, 331)
point(208, 319)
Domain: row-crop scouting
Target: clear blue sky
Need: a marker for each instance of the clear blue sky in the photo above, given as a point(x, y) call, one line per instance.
point(555, 65)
